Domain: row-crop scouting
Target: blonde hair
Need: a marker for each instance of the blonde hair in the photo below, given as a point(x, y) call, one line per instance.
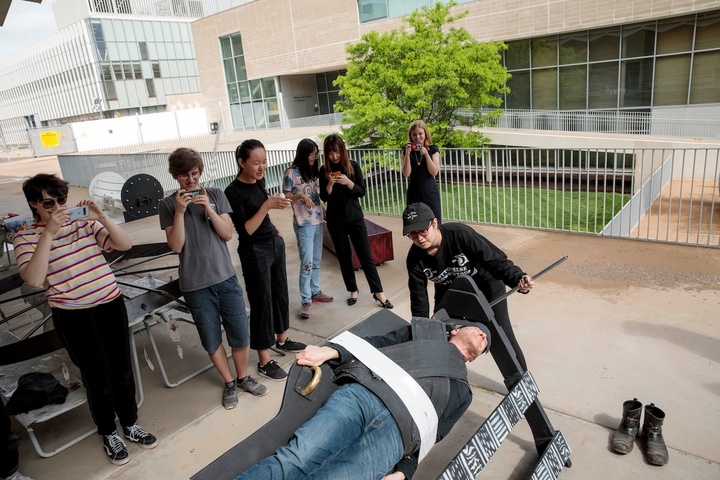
point(420, 124)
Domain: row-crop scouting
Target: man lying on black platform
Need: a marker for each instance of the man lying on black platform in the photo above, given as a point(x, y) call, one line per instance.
point(398, 395)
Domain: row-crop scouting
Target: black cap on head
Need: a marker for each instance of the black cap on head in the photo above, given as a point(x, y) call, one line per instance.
point(417, 216)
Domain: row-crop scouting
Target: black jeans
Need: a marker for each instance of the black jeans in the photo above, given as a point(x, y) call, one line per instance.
point(354, 231)
point(8, 445)
point(265, 274)
point(97, 340)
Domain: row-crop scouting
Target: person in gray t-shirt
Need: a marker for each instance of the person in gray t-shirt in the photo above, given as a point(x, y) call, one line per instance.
point(197, 225)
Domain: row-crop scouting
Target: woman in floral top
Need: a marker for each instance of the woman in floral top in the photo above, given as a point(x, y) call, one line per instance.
point(301, 185)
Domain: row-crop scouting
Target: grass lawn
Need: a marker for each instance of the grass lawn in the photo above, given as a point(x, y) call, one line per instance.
point(586, 212)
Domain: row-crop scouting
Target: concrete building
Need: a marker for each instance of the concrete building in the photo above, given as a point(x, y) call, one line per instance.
point(267, 58)
point(108, 58)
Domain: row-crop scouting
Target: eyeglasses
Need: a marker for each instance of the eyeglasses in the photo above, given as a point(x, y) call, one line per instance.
point(185, 176)
point(419, 233)
point(49, 203)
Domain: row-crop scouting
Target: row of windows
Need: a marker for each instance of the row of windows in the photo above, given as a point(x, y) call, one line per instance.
point(668, 62)
point(130, 71)
point(327, 93)
point(122, 30)
point(663, 37)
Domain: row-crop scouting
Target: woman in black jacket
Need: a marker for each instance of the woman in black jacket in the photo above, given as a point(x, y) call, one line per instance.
point(341, 187)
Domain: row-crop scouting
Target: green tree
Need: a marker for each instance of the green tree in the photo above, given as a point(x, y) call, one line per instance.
point(427, 70)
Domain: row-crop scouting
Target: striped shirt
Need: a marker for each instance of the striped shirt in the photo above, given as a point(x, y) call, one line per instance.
point(78, 275)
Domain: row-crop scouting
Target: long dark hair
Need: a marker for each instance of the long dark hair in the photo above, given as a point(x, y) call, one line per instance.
point(335, 142)
point(304, 149)
point(242, 152)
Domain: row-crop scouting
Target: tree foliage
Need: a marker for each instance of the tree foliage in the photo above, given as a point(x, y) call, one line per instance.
point(427, 70)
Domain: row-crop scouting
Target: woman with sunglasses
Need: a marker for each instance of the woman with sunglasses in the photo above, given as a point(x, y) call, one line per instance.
point(66, 257)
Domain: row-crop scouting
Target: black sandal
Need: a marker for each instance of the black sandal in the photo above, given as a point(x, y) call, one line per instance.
point(385, 304)
point(351, 301)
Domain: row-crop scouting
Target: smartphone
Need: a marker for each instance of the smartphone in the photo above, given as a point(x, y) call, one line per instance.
point(194, 193)
point(77, 213)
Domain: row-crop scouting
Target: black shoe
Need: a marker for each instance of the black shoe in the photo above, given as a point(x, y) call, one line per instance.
point(137, 434)
point(272, 371)
point(385, 304)
point(351, 301)
point(115, 449)
point(290, 346)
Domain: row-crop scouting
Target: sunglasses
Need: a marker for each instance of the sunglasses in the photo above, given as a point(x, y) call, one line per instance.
point(49, 203)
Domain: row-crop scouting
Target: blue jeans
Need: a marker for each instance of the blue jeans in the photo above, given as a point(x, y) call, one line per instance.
point(220, 302)
point(310, 245)
point(353, 435)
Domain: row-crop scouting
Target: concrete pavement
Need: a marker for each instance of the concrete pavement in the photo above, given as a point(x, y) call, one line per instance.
point(620, 319)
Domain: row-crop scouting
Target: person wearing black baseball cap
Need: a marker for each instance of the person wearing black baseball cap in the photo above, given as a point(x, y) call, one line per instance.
point(441, 253)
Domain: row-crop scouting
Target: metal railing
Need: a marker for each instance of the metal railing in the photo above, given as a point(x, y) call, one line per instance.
point(664, 195)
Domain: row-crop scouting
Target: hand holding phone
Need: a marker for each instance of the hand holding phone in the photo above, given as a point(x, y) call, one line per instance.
point(77, 213)
point(194, 193)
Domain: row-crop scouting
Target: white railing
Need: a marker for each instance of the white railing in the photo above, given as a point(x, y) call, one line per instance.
point(664, 195)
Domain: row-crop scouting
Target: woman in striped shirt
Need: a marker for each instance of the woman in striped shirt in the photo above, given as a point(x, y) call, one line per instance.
point(89, 314)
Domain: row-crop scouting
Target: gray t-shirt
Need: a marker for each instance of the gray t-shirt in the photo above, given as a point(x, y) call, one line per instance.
point(205, 258)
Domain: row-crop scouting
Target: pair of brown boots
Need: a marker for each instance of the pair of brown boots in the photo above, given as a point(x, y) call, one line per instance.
point(624, 437)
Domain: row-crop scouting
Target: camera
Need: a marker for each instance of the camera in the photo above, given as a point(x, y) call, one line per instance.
point(416, 147)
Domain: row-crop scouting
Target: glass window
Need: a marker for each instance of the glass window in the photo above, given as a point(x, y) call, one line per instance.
point(148, 29)
point(604, 44)
point(110, 91)
point(672, 80)
point(519, 96)
point(167, 32)
point(370, 10)
point(247, 113)
point(244, 90)
point(129, 31)
point(190, 66)
point(106, 72)
point(99, 40)
point(573, 87)
point(708, 31)
point(517, 55)
point(333, 98)
point(229, 70)
point(321, 82)
point(255, 90)
point(127, 68)
point(705, 85)
point(240, 71)
point(143, 51)
point(544, 51)
point(638, 40)
point(573, 48)
point(675, 35)
point(236, 41)
point(323, 103)
point(225, 47)
point(233, 96)
point(156, 70)
point(117, 69)
point(259, 114)
point(636, 83)
point(150, 84)
point(137, 69)
point(182, 71)
point(603, 85)
point(162, 54)
point(544, 89)
point(123, 53)
point(269, 87)
point(118, 29)
point(157, 31)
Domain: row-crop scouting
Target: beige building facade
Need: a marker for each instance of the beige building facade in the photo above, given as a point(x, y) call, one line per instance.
point(273, 59)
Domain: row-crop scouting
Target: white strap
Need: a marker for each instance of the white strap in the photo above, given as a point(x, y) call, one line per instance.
point(410, 392)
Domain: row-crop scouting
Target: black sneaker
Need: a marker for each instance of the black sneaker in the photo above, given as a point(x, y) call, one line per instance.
point(137, 434)
point(115, 449)
point(290, 346)
point(272, 371)
point(229, 398)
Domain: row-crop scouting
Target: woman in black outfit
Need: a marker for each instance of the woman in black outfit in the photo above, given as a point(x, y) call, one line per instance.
point(341, 187)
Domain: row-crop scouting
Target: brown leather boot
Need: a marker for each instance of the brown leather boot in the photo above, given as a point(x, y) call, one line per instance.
point(655, 449)
point(624, 437)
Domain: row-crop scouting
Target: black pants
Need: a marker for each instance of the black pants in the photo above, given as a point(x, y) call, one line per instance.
point(97, 340)
point(265, 274)
point(8, 445)
point(356, 232)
